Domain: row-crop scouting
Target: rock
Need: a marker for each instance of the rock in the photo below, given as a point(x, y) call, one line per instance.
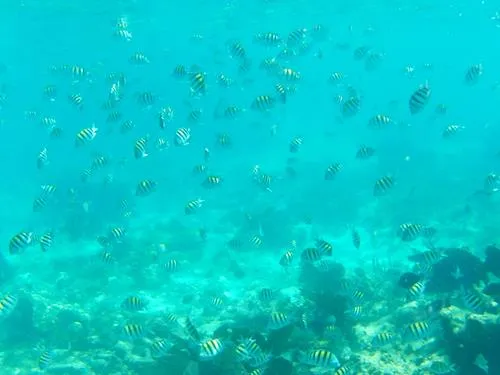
point(492, 261)
point(459, 268)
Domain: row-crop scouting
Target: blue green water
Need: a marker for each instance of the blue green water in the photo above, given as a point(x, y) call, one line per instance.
point(198, 227)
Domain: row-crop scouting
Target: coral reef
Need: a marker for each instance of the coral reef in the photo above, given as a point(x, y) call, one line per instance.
point(458, 268)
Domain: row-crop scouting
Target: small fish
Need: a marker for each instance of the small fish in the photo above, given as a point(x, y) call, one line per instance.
point(182, 136)
point(210, 349)
point(311, 254)
point(139, 58)
point(351, 106)
point(171, 265)
point(20, 242)
point(428, 257)
point(76, 100)
point(287, 258)
point(379, 121)
point(191, 330)
point(268, 38)
point(42, 159)
point(145, 188)
point(117, 234)
point(266, 294)
point(133, 303)
point(133, 331)
point(256, 241)
point(343, 370)
point(179, 71)
point(193, 205)
point(382, 339)
point(212, 181)
point(8, 303)
point(160, 348)
point(295, 144)
point(140, 147)
point(473, 73)
point(263, 103)
point(107, 257)
point(355, 238)
point(332, 171)
point(39, 203)
point(419, 330)
point(320, 358)
point(365, 152)
point(383, 185)
point(452, 130)
point(198, 84)
point(325, 248)
point(416, 289)
point(45, 359)
point(289, 75)
point(354, 312)
point(216, 301)
point(86, 135)
point(46, 241)
point(474, 301)
point(419, 99)
point(278, 320)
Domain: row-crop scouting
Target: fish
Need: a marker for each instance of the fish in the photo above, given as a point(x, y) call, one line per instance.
point(19, 242)
point(382, 339)
point(145, 188)
point(193, 205)
point(473, 73)
point(210, 349)
point(419, 99)
point(8, 303)
point(278, 320)
point(45, 359)
point(133, 331)
point(86, 135)
point(160, 348)
point(383, 185)
point(133, 303)
point(320, 358)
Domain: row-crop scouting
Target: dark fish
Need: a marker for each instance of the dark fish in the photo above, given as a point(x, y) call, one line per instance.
point(332, 171)
point(145, 188)
point(473, 73)
point(383, 185)
point(365, 152)
point(419, 99)
point(356, 238)
point(7, 304)
point(20, 242)
point(45, 359)
point(133, 303)
point(46, 241)
point(191, 330)
point(133, 331)
point(295, 144)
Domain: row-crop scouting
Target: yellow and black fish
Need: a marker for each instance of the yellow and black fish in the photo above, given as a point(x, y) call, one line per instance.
point(86, 135)
point(383, 185)
point(145, 188)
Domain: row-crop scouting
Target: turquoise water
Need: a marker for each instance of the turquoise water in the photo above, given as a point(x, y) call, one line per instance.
point(235, 182)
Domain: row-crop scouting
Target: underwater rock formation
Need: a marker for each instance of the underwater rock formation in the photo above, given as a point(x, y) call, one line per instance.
point(458, 268)
point(492, 260)
point(468, 336)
